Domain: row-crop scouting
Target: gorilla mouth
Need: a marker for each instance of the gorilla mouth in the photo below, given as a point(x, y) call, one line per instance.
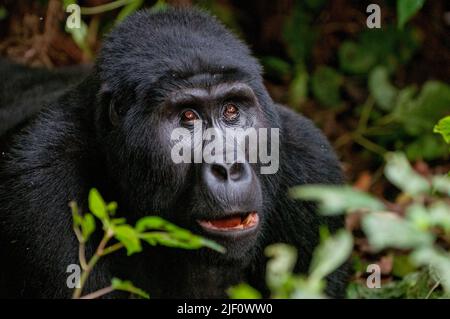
point(236, 222)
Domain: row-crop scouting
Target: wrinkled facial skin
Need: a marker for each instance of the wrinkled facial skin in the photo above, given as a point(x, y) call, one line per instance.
point(221, 201)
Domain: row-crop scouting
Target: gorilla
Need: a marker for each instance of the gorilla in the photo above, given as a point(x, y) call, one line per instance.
point(108, 126)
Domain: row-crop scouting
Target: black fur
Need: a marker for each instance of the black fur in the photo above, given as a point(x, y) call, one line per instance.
point(58, 141)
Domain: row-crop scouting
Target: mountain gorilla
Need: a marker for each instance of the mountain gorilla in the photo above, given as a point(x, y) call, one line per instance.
point(66, 131)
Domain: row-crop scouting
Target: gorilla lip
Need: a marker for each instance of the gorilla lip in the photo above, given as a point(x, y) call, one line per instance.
point(232, 223)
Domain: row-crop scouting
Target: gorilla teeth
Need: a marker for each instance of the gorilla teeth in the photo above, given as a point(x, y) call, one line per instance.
point(231, 222)
point(251, 220)
point(236, 222)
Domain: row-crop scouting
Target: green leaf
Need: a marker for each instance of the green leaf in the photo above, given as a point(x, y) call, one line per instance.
point(436, 215)
point(118, 221)
point(326, 83)
point(419, 216)
point(443, 128)
point(381, 88)
point(402, 266)
point(175, 240)
point(80, 35)
point(276, 67)
point(87, 226)
point(97, 205)
point(111, 208)
point(298, 89)
point(156, 223)
point(169, 240)
point(243, 291)
point(419, 115)
point(305, 288)
point(128, 237)
point(400, 173)
point(440, 215)
point(66, 3)
point(331, 254)
point(441, 184)
point(280, 266)
point(427, 147)
point(354, 59)
point(388, 47)
point(86, 223)
point(336, 199)
point(387, 230)
point(173, 235)
point(406, 9)
point(128, 286)
point(437, 260)
point(299, 34)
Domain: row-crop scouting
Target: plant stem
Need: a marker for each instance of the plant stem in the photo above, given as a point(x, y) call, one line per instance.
point(344, 139)
point(92, 262)
point(99, 293)
point(368, 144)
point(105, 7)
point(387, 119)
point(84, 276)
point(82, 255)
point(433, 289)
point(112, 248)
point(365, 115)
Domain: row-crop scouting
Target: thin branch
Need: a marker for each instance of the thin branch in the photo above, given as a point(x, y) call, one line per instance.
point(99, 293)
point(85, 274)
point(105, 7)
point(82, 255)
point(369, 145)
point(92, 262)
point(433, 289)
point(112, 248)
point(365, 115)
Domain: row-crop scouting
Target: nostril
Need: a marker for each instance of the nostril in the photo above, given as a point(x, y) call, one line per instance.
point(219, 171)
point(236, 171)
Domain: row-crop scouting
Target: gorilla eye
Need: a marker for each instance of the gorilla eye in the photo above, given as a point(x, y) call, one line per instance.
point(189, 116)
point(231, 112)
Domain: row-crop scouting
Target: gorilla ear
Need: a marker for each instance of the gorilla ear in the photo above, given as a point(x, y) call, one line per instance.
point(110, 104)
point(113, 113)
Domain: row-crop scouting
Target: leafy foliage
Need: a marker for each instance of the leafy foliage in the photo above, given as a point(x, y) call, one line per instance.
point(422, 235)
point(418, 241)
point(283, 283)
point(336, 199)
point(326, 83)
point(151, 229)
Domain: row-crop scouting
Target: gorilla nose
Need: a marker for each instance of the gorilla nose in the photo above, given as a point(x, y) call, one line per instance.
point(227, 173)
point(232, 187)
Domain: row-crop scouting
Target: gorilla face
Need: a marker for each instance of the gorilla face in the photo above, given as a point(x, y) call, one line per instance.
point(161, 78)
point(219, 197)
point(225, 201)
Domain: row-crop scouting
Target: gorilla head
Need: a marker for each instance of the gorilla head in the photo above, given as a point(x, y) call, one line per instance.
point(161, 80)
point(158, 76)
